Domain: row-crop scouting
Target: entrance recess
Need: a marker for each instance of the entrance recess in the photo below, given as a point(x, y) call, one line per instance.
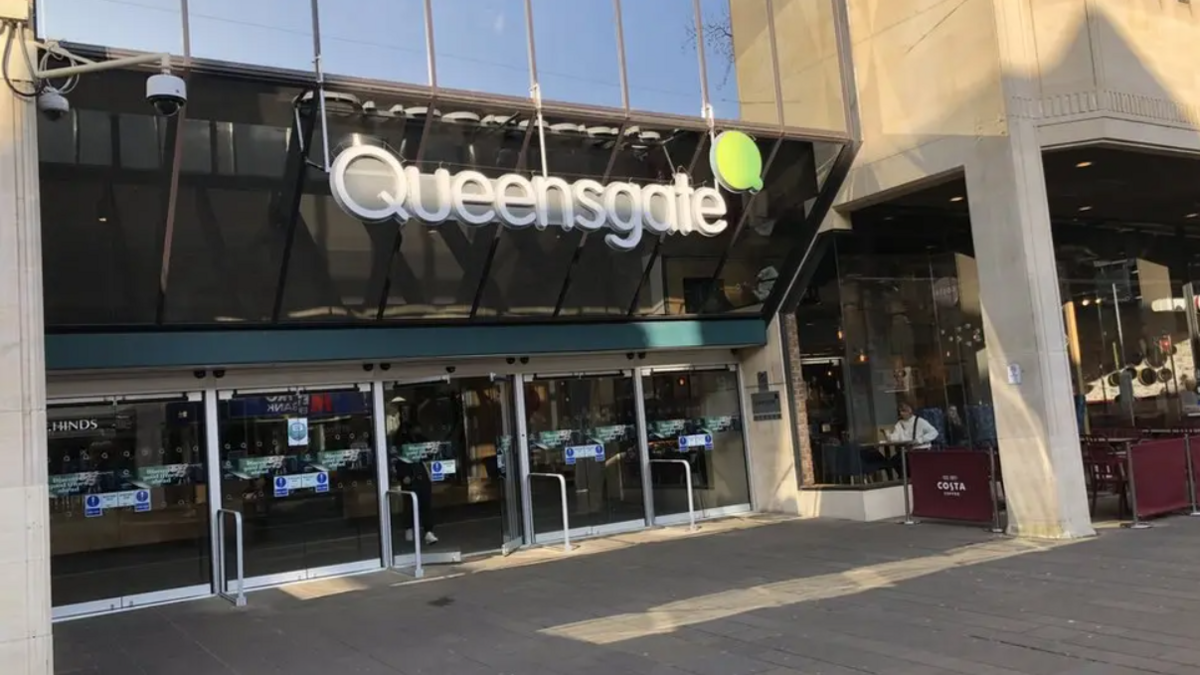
point(695, 415)
point(128, 490)
point(300, 468)
point(584, 428)
point(453, 444)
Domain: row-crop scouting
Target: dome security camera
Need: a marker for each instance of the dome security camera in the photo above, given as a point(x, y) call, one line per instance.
point(167, 93)
point(53, 104)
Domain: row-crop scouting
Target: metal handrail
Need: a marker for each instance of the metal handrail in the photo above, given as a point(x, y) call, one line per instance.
point(418, 569)
point(687, 474)
point(566, 525)
point(238, 600)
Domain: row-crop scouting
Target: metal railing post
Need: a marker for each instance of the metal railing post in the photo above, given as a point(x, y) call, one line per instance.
point(418, 568)
point(566, 523)
point(995, 487)
point(1137, 523)
point(904, 485)
point(239, 600)
point(687, 474)
point(1191, 471)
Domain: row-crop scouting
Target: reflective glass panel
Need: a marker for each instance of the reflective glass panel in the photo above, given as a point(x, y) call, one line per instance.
point(128, 499)
point(103, 203)
point(661, 61)
point(272, 33)
point(482, 45)
point(578, 66)
point(374, 39)
point(584, 429)
point(227, 249)
point(696, 417)
point(301, 470)
point(436, 271)
point(144, 25)
point(452, 444)
point(604, 281)
point(809, 67)
point(737, 53)
point(773, 230)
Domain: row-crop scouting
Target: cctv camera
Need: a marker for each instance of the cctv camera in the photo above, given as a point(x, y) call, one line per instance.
point(368, 367)
point(511, 360)
point(524, 359)
point(53, 104)
point(385, 366)
point(199, 374)
point(219, 373)
point(167, 93)
point(450, 369)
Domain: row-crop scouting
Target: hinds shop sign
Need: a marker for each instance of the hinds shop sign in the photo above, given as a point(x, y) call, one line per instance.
point(950, 484)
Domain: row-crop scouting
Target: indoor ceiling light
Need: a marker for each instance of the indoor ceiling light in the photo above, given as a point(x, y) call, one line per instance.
point(1192, 215)
point(1083, 165)
point(957, 198)
point(1085, 208)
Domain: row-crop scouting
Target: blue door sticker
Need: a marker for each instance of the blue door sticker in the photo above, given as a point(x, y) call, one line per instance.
point(281, 486)
point(570, 455)
point(322, 482)
point(141, 501)
point(91, 506)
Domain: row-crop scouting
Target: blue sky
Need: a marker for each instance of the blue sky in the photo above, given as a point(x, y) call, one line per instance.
point(480, 44)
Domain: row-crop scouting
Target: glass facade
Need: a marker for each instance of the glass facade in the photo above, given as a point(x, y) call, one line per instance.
point(760, 58)
point(892, 318)
point(246, 231)
point(325, 479)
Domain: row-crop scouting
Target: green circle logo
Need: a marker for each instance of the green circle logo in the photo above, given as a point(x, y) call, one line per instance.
point(736, 162)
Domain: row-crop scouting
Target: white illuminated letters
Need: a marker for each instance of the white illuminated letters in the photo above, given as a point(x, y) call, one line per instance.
point(371, 184)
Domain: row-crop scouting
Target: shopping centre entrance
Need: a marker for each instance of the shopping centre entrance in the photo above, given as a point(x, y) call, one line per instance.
point(156, 498)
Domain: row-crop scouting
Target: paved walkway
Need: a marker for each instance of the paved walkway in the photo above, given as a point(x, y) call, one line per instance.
point(757, 595)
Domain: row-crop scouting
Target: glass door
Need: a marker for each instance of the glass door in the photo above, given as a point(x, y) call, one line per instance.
point(300, 467)
point(128, 503)
point(696, 416)
point(451, 443)
point(583, 428)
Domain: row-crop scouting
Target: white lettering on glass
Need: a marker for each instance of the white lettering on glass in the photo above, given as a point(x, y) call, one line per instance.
point(371, 184)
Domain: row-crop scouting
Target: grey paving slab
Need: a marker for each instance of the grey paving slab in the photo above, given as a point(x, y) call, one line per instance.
point(750, 596)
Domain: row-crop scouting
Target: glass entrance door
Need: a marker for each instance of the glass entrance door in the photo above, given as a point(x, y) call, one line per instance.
point(300, 467)
point(696, 416)
point(128, 503)
point(584, 429)
point(452, 444)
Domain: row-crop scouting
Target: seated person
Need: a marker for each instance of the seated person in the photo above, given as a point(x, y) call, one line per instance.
point(912, 429)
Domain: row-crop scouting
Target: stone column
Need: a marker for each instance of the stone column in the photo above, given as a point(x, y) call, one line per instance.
point(771, 454)
point(25, 639)
point(1022, 312)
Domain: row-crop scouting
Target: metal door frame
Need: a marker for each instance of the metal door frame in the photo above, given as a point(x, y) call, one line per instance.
point(120, 603)
point(307, 573)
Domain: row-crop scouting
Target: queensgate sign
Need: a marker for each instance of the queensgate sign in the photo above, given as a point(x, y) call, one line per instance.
point(372, 184)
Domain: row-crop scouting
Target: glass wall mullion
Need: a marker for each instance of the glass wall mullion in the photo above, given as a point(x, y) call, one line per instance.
point(381, 472)
point(212, 452)
point(639, 395)
point(523, 454)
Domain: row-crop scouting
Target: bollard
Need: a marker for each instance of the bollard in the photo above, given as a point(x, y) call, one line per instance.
point(908, 520)
point(995, 528)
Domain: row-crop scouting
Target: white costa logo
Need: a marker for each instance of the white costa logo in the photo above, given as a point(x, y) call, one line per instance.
point(371, 184)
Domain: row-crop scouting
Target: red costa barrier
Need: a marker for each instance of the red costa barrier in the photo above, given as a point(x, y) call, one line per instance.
point(1159, 476)
point(951, 484)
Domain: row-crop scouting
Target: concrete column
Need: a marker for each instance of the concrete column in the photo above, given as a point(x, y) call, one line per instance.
point(25, 640)
point(772, 458)
point(1022, 311)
